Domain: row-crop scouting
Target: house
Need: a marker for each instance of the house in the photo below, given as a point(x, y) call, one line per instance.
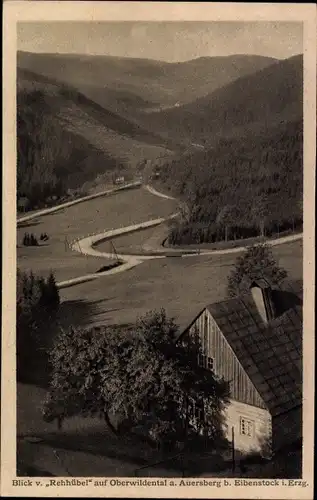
point(254, 342)
point(119, 180)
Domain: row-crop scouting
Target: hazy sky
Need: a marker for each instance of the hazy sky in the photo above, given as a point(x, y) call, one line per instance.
point(169, 41)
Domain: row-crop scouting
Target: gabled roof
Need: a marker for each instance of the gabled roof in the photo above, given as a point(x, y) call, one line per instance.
point(270, 354)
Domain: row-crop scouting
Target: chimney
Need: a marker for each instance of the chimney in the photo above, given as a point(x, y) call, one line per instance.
point(262, 296)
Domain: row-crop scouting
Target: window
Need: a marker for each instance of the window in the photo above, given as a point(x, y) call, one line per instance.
point(210, 363)
point(246, 427)
point(206, 362)
point(202, 360)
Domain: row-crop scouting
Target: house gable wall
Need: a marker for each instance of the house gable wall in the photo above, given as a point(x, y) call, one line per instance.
point(225, 363)
point(261, 435)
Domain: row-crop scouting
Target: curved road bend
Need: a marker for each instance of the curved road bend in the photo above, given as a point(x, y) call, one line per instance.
point(86, 247)
point(157, 193)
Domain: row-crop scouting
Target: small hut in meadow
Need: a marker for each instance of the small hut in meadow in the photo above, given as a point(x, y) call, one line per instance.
point(23, 204)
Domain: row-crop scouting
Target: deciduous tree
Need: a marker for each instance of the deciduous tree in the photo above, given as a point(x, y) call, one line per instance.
point(139, 374)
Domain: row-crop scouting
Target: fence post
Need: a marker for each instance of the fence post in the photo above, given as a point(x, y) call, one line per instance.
point(233, 452)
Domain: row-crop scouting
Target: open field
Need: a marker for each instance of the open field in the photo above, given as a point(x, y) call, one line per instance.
point(139, 242)
point(183, 286)
point(93, 216)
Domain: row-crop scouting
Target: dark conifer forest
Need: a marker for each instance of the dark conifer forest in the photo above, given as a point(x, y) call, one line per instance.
point(239, 189)
point(50, 159)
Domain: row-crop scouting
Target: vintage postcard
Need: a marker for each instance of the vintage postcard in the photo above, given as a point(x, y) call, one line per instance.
point(158, 250)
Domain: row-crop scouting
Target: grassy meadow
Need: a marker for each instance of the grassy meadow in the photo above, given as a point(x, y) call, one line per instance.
point(183, 286)
point(140, 242)
point(97, 215)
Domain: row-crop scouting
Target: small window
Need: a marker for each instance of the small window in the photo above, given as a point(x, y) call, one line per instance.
point(202, 360)
point(210, 363)
point(246, 427)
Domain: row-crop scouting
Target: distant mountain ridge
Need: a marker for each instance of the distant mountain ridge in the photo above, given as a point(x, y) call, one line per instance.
point(85, 117)
point(146, 83)
point(251, 103)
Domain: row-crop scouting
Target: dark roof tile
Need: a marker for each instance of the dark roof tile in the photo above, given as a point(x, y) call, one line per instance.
point(269, 353)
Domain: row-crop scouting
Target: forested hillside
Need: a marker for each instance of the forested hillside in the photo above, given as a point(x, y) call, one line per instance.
point(250, 105)
point(51, 159)
point(242, 188)
point(64, 140)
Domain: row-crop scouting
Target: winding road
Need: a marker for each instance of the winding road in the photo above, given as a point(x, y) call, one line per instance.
point(86, 246)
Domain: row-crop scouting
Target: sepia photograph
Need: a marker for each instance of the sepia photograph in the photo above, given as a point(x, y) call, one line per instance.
point(160, 293)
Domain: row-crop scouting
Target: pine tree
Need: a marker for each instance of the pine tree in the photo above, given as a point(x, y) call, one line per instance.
point(32, 327)
point(52, 297)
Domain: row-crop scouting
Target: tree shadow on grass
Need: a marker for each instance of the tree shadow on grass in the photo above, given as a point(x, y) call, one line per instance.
point(132, 449)
point(76, 313)
point(30, 223)
point(126, 449)
point(82, 313)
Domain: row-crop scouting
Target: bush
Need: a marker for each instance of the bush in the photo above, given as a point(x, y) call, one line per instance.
point(29, 240)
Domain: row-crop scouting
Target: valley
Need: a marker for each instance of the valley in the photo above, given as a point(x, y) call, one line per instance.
point(135, 118)
point(142, 288)
point(200, 160)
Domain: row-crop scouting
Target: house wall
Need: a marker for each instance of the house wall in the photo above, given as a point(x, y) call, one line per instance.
point(245, 401)
point(260, 441)
point(287, 428)
point(226, 364)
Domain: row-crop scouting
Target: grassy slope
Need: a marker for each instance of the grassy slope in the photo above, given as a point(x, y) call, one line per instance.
point(93, 216)
point(127, 85)
point(139, 242)
point(183, 286)
point(99, 130)
point(253, 103)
